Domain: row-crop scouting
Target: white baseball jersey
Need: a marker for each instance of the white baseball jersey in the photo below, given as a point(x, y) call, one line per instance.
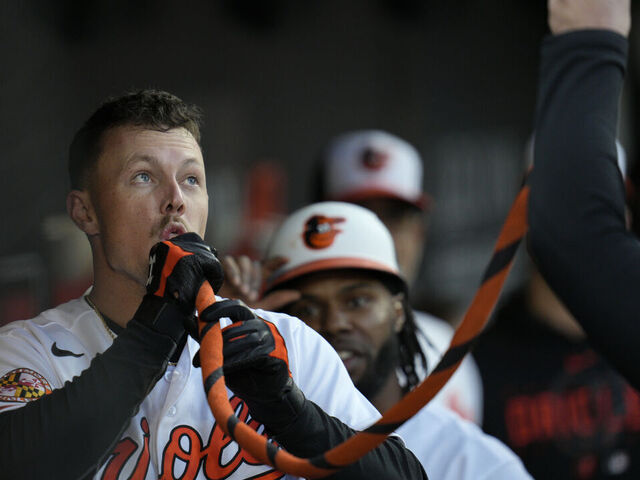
point(463, 392)
point(451, 448)
point(173, 434)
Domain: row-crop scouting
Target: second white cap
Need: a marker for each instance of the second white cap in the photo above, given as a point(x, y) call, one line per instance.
point(370, 164)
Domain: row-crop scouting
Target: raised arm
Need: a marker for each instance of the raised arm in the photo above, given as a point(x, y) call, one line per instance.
point(578, 235)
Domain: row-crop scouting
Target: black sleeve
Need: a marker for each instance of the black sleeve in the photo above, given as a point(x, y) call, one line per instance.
point(576, 211)
point(70, 431)
point(314, 432)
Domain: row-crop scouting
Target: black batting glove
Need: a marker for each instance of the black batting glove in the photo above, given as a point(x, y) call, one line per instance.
point(255, 365)
point(177, 269)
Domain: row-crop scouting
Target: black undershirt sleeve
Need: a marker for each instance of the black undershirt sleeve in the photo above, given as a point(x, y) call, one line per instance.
point(314, 432)
point(69, 433)
point(576, 211)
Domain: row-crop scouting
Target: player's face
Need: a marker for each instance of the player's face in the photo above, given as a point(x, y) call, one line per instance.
point(353, 311)
point(147, 186)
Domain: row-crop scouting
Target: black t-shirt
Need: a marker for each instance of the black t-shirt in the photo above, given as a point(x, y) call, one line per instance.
point(561, 408)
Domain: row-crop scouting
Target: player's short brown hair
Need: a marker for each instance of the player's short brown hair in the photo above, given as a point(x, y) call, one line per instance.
point(153, 109)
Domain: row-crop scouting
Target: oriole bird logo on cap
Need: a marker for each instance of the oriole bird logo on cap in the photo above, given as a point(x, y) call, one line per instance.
point(320, 231)
point(374, 159)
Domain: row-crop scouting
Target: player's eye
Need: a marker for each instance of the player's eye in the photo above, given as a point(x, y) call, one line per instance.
point(142, 177)
point(192, 180)
point(358, 301)
point(306, 312)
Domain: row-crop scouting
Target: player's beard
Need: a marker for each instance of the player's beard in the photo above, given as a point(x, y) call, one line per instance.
point(379, 368)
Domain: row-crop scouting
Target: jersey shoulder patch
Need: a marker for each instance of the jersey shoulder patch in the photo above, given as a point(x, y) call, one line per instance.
point(23, 385)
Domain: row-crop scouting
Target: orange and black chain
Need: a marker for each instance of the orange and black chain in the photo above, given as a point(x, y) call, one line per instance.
point(513, 230)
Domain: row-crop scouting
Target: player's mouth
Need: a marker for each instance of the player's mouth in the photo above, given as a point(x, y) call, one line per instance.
point(352, 350)
point(351, 359)
point(172, 230)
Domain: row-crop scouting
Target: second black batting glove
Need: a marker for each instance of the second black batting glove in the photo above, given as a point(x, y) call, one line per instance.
point(255, 365)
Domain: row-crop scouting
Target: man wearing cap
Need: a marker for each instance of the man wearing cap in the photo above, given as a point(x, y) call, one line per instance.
point(341, 260)
point(384, 173)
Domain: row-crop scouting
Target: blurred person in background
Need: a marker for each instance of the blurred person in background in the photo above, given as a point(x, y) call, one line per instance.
point(384, 173)
point(341, 259)
point(556, 402)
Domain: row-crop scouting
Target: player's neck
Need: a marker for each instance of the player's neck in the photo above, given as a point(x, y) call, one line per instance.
point(116, 304)
point(115, 295)
point(389, 394)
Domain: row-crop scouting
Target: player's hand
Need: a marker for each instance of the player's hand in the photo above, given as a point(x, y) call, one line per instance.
point(178, 267)
point(255, 365)
point(244, 278)
point(568, 15)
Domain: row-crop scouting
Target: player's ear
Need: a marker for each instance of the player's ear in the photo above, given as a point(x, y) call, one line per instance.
point(81, 211)
point(398, 310)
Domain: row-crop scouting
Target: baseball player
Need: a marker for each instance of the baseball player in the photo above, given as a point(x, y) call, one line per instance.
point(384, 173)
point(105, 386)
point(341, 260)
point(578, 235)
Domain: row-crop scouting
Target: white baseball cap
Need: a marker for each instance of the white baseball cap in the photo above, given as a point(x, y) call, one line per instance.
point(369, 164)
point(328, 236)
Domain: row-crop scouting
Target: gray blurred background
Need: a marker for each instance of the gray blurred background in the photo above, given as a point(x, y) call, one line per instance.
point(276, 79)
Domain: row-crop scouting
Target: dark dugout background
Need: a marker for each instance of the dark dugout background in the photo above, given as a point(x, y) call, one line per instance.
point(276, 79)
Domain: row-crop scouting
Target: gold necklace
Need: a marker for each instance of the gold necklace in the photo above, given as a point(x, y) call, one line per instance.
point(104, 323)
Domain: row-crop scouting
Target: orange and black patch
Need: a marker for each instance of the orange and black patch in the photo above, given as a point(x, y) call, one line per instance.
point(320, 231)
point(23, 385)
